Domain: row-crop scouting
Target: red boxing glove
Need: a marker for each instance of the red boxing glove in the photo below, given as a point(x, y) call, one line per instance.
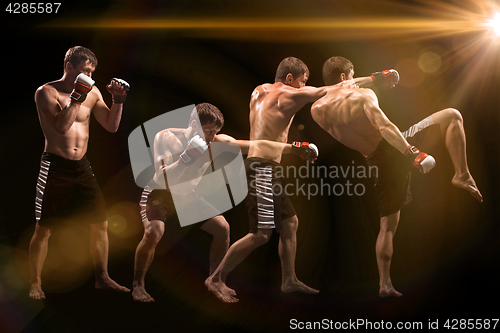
point(118, 90)
point(388, 78)
point(421, 161)
point(83, 85)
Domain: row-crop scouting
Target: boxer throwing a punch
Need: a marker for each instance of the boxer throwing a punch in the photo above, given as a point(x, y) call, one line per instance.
point(66, 186)
point(272, 109)
point(353, 117)
point(182, 156)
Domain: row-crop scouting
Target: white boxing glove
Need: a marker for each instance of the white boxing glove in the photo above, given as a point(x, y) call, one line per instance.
point(83, 85)
point(424, 162)
point(195, 148)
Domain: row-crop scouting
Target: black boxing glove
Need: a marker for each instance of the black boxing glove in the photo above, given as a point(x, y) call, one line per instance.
point(308, 151)
point(118, 94)
point(388, 78)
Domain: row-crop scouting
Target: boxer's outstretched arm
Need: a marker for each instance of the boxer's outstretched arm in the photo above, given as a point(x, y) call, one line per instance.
point(363, 82)
point(387, 129)
point(245, 145)
point(293, 99)
point(303, 149)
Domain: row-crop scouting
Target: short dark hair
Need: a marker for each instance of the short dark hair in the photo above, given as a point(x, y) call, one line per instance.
point(78, 54)
point(208, 114)
point(334, 67)
point(291, 65)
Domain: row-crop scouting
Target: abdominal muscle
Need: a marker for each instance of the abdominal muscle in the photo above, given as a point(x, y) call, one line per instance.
point(72, 145)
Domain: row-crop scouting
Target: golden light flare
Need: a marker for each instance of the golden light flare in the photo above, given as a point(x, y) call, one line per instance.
point(117, 224)
point(472, 26)
point(429, 62)
point(425, 18)
point(329, 28)
point(494, 23)
point(410, 73)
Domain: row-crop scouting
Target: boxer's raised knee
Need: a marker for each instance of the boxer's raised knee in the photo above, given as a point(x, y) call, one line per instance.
point(454, 114)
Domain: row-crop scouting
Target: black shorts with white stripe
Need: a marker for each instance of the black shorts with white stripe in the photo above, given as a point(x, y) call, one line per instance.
point(266, 209)
point(156, 205)
point(67, 189)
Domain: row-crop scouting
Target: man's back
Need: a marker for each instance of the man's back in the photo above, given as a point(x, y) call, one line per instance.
point(341, 112)
point(272, 109)
point(270, 116)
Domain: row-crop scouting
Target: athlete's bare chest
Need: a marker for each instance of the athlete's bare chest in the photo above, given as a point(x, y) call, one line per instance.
point(85, 109)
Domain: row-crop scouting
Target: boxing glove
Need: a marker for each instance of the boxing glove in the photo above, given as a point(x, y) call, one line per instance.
point(83, 85)
point(308, 151)
point(118, 95)
point(387, 78)
point(195, 148)
point(422, 161)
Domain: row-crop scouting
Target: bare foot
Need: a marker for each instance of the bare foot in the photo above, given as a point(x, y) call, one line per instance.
point(221, 291)
point(296, 285)
point(108, 284)
point(139, 294)
point(36, 291)
point(231, 291)
point(467, 183)
point(389, 292)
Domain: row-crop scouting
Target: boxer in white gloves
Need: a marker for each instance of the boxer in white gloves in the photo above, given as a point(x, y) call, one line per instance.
point(66, 186)
point(353, 117)
point(272, 109)
point(182, 154)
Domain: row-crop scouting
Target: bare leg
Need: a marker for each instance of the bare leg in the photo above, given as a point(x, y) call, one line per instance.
point(287, 250)
point(37, 254)
point(144, 255)
point(219, 229)
point(452, 130)
point(384, 251)
point(235, 255)
point(99, 247)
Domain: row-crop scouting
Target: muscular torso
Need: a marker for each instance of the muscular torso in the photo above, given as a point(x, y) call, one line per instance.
point(268, 119)
point(340, 112)
point(72, 144)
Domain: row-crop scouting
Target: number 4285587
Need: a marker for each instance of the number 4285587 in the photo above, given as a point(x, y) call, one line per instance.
point(33, 8)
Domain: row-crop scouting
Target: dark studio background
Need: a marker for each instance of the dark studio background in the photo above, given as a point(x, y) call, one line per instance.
point(445, 251)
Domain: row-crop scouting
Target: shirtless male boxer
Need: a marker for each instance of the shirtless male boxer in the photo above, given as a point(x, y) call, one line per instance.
point(272, 109)
point(181, 157)
point(353, 117)
point(66, 186)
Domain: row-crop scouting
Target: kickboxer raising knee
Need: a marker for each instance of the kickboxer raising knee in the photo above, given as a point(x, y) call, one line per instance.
point(353, 117)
